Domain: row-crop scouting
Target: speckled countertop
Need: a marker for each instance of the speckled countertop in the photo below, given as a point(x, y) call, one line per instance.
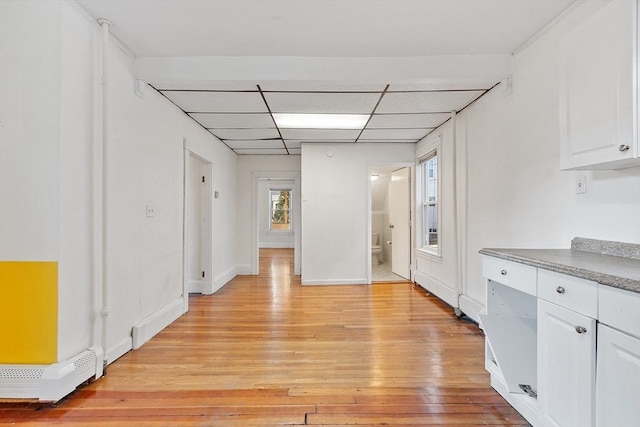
point(615, 271)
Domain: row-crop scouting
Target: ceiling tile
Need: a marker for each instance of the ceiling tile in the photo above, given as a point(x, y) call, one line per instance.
point(405, 141)
point(261, 151)
point(255, 143)
point(449, 84)
point(426, 102)
point(319, 86)
point(221, 85)
point(217, 102)
point(395, 121)
point(339, 102)
point(292, 143)
point(394, 133)
point(230, 120)
point(319, 134)
point(245, 133)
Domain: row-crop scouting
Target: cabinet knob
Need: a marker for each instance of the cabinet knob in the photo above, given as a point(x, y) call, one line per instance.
point(581, 329)
point(503, 272)
point(560, 290)
point(623, 147)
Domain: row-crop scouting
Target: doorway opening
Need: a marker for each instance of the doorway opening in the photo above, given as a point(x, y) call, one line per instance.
point(275, 215)
point(390, 223)
point(198, 225)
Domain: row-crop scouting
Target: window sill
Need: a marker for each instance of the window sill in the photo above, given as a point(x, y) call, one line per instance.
point(428, 254)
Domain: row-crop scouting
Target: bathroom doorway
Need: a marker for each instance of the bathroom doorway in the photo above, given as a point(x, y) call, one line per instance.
point(390, 223)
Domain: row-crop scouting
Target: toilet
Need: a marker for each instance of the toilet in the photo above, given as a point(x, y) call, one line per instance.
point(376, 249)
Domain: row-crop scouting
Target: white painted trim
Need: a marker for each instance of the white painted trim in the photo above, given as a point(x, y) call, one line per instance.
point(224, 278)
point(471, 307)
point(441, 290)
point(441, 68)
point(255, 216)
point(117, 351)
point(335, 282)
point(243, 270)
point(275, 245)
point(145, 330)
point(195, 286)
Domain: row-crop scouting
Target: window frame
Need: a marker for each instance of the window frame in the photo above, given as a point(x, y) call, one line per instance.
point(270, 191)
point(434, 152)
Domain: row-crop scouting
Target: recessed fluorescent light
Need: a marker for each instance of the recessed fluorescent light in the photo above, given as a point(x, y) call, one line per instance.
point(321, 121)
point(374, 176)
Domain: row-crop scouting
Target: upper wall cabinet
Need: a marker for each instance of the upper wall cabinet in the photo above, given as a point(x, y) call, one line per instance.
point(599, 90)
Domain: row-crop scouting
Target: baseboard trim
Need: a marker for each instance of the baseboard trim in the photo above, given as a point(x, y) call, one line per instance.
point(275, 245)
point(145, 330)
point(471, 307)
point(120, 349)
point(243, 270)
point(330, 282)
point(195, 286)
point(224, 278)
point(439, 289)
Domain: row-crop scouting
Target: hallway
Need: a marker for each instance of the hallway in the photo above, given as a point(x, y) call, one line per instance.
point(265, 350)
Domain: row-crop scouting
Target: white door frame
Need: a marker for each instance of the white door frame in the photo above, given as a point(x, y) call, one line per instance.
point(205, 154)
point(255, 217)
point(396, 165)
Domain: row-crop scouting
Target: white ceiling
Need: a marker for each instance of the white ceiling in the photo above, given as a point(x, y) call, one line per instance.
point(289, 47)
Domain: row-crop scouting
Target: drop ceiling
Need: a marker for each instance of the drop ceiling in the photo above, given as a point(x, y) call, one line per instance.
point(407, 64)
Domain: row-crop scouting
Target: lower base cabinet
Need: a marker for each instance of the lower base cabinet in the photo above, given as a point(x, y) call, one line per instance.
point(566, 366)
point(618, 382)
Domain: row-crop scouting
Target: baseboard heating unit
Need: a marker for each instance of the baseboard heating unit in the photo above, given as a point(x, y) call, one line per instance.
point(50, 383)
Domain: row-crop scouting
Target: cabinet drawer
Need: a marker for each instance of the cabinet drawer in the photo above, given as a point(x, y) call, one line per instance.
point(570, 292)
point(620, 309)
point(512, 274)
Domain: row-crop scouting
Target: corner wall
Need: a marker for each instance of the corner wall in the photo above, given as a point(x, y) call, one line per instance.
point(335, 196)
point(510, 186)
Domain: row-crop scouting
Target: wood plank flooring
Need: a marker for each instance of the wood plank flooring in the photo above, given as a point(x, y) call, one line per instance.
point(265, 351)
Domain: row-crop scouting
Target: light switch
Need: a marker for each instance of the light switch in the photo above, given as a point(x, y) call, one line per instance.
point(581, 184)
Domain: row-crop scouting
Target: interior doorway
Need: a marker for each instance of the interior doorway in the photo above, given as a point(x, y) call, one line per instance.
point(198, 225)
point(269, 190)
point(390, 223)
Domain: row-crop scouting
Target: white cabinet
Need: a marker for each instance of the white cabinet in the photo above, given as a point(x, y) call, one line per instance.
point(566, 366)
point(618, 378)
point(599, 90)
point(618, 382)
point(562, 350)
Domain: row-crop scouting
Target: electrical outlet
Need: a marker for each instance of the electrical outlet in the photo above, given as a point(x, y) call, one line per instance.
point(581, 184)
point(151, 210)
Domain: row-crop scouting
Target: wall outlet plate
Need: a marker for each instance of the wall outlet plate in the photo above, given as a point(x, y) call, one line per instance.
point(151, 210)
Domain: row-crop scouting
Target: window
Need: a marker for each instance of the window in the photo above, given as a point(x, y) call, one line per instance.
point(430, 225)
point(280, 210)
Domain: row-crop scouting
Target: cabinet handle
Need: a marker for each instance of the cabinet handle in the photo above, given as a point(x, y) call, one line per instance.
point(560, 290)
point(623, 147)
point(503, 272)
point(581, 329)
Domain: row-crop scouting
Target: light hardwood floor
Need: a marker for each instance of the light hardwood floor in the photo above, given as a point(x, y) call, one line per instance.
point(265, 350)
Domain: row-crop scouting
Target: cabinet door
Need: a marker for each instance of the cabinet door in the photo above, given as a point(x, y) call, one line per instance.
point(618, 382)
point(566, 366)
point(598, 89)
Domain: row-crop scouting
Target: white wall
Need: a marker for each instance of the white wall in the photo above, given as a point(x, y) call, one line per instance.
point(335, 197)
point(30, 85)
point(49, 51)
point(246, 165)
point(516, 195)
